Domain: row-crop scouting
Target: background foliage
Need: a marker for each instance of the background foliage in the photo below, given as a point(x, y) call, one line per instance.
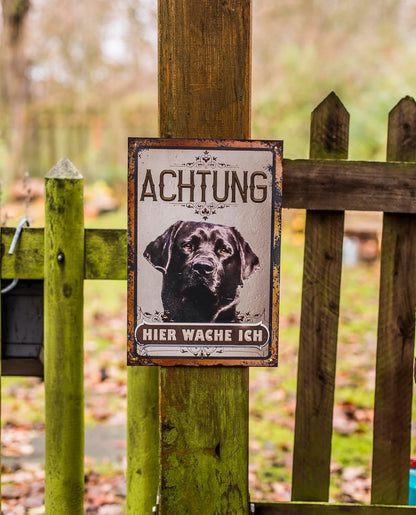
point(76, 81)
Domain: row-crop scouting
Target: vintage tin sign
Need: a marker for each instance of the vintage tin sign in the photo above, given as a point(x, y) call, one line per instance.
point(204, 252)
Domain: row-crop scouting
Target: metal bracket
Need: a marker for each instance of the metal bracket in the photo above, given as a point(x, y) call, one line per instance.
point(24, 221)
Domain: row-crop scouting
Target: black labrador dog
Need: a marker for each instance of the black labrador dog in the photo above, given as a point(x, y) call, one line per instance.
point(203, 265)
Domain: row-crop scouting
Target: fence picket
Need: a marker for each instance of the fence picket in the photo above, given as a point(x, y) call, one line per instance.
point(319, 319)
point(396, 329)
point(142, 439)
point(63, 340)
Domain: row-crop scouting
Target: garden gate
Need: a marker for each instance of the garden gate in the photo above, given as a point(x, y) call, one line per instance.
point(200, 468)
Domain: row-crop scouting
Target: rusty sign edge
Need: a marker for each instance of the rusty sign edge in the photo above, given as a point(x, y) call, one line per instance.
point(276, 146)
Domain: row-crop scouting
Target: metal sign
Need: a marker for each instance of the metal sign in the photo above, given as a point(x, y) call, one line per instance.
point(204, 252)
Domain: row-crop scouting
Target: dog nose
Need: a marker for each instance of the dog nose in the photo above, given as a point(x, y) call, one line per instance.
point(203, 267)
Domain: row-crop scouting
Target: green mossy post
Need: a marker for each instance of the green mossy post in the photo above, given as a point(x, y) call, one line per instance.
point(204, 92)
point(142, 439)
point(64, 378)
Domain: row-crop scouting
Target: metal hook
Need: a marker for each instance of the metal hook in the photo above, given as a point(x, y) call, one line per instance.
point(24, 221)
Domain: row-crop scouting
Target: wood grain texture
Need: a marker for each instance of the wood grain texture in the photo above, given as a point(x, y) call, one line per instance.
point(204, 92)
point(319, 319)
point(63, 340)
point(396, 330)
point(105, 254)
point(27, 260)
point(204, 68)
point(295, 508)
point(204, 432)
point(142, 439)
point(349, 185)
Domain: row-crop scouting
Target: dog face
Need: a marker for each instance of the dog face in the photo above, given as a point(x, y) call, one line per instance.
point(202, 264)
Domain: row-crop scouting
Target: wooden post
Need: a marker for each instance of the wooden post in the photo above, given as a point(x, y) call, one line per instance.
point(319, 320)
point(142, 439)
point(396, 330)
point(204, 92)
point(64, 378)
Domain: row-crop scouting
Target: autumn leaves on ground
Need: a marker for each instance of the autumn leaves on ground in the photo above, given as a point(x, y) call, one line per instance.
point(272, 393)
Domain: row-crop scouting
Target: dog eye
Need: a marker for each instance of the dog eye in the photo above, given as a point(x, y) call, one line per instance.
point(224, 250)
point(187, 246)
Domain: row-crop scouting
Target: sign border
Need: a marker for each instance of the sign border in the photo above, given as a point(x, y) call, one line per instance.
point(135, 145)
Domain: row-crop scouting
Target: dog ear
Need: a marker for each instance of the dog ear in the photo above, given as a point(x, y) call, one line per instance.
point(249, 261)
point(159, 251)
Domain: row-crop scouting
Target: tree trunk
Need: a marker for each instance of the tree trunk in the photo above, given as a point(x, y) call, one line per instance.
point(14, 82)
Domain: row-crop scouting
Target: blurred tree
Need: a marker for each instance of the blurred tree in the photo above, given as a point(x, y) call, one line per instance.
point(303, 49)
point(91, 66)
point(14, 82)
point(87, 72)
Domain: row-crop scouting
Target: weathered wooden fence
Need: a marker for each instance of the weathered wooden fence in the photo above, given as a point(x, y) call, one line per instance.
point(326, 188)
point(204, 92)
point(63, 254)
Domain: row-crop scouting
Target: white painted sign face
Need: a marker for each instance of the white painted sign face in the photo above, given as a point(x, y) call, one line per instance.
point(204, 251)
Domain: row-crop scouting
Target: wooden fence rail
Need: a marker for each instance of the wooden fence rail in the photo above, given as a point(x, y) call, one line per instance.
point(63, 254)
